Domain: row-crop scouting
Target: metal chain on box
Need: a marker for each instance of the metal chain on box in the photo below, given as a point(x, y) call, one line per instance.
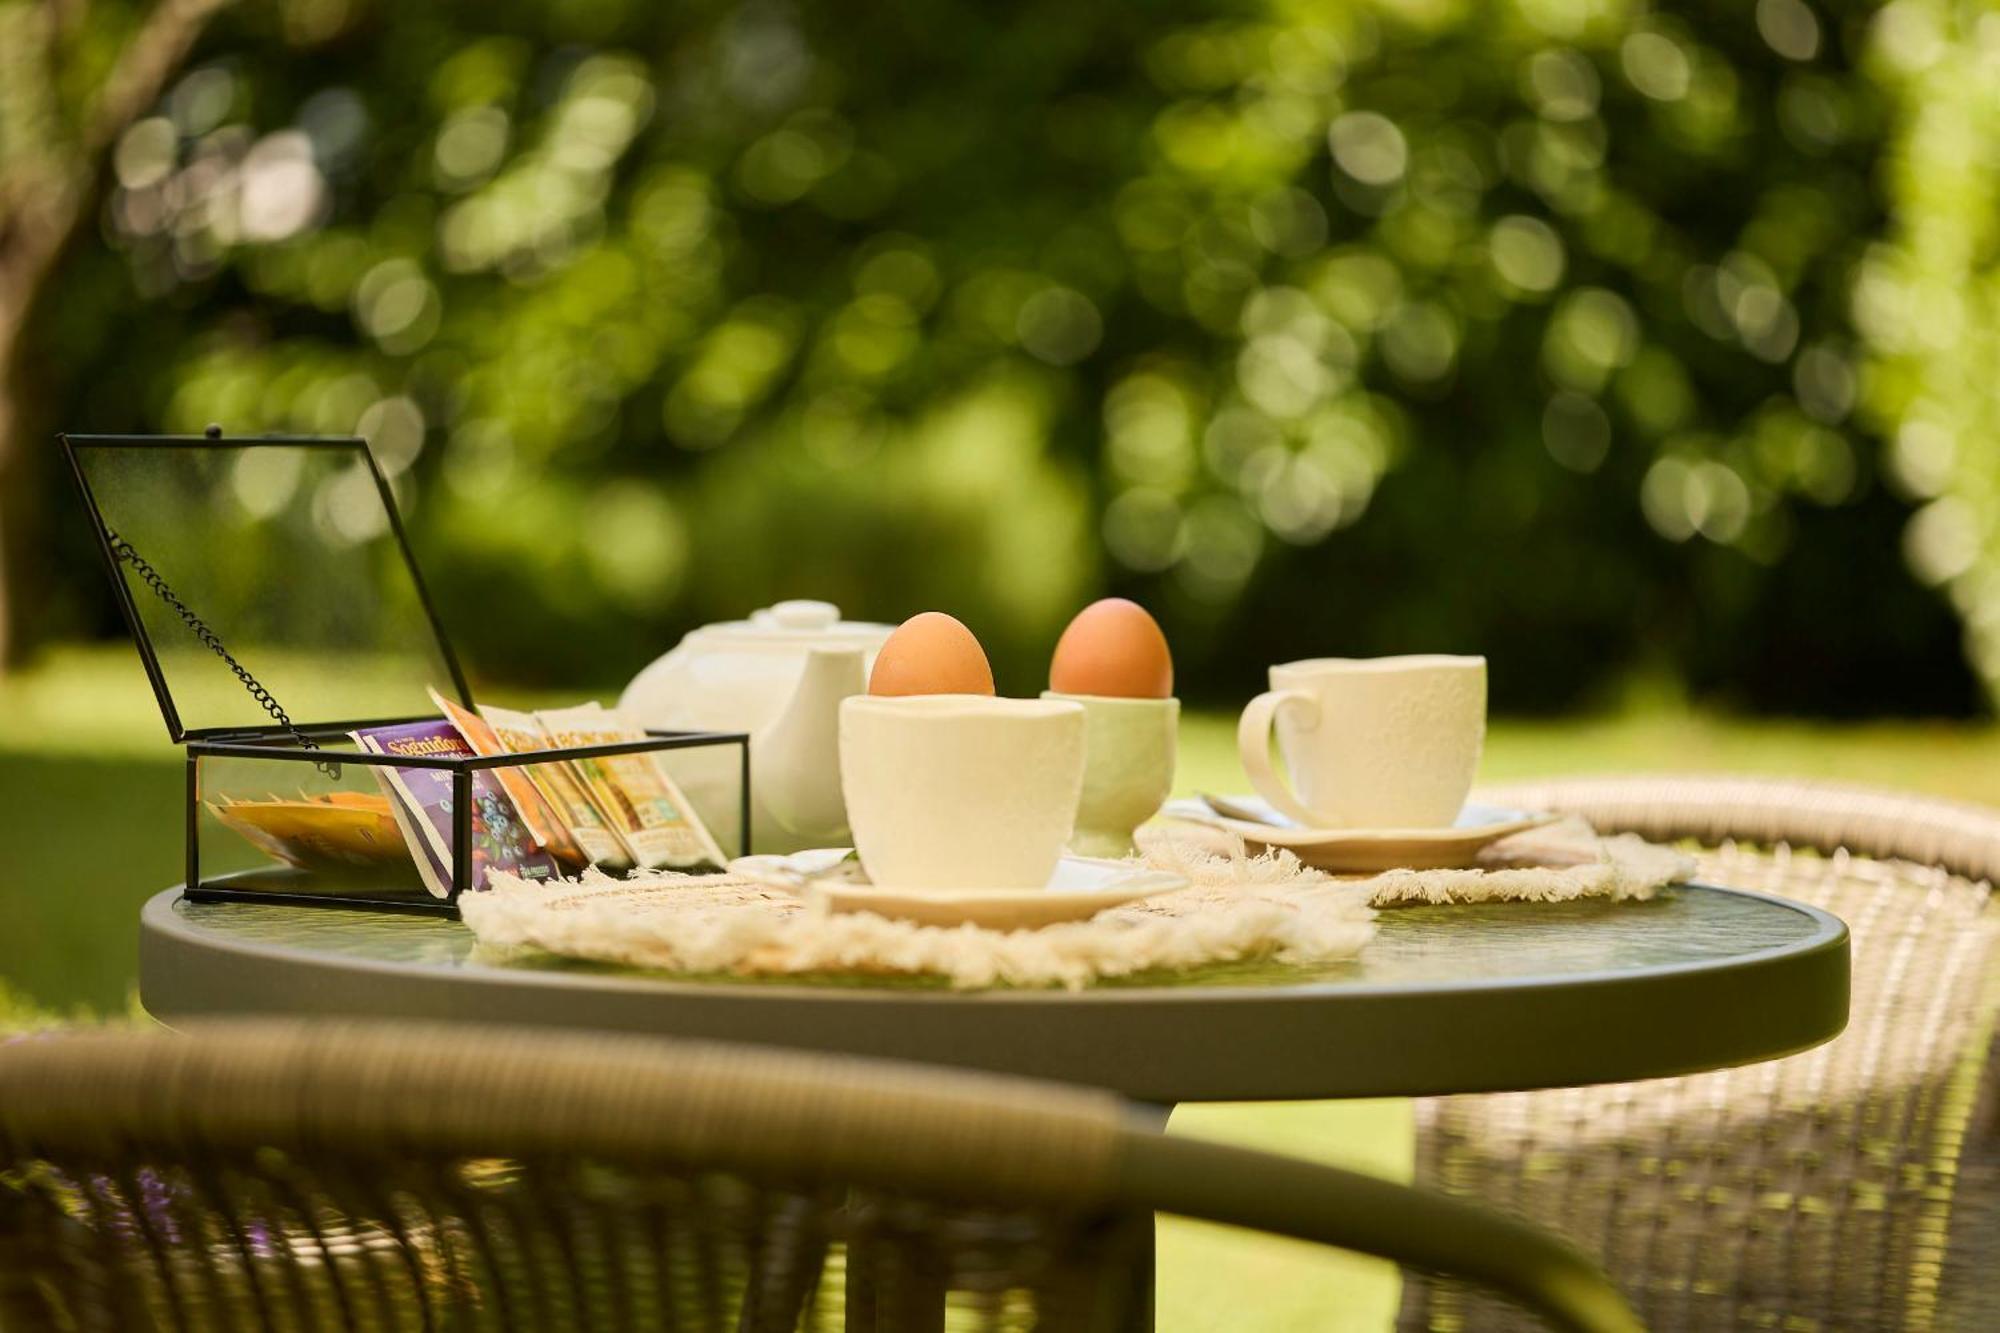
point(153, 579)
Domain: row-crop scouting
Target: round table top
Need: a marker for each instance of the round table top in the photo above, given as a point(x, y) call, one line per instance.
point(1444, 1000)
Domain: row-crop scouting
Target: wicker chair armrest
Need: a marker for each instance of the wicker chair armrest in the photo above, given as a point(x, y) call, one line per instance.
point(360, 1086)
point(1960, 837)
point(351, 1090)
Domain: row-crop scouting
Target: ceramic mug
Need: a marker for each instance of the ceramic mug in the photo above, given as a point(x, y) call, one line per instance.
point(1128, 768)
point(1381, 742)
point(960, 791)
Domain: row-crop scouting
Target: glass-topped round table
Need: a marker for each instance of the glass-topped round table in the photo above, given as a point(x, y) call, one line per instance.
point(1445, 1000)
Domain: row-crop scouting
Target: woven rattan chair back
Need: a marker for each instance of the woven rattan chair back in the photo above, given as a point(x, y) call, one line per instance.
point(356, 1177)
point(1853, 1186)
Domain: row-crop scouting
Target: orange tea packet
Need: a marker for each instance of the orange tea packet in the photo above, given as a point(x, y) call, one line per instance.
point(336, 828)
point(543, 824)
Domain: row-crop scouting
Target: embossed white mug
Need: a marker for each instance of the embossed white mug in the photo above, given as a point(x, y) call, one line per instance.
point(960, 791)
point(1368, 742)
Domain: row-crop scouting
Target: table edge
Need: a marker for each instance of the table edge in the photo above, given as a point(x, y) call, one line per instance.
point(158, 915)
point(1308, 1042)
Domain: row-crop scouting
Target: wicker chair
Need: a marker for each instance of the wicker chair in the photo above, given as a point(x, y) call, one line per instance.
point(1852, 1186)
point(283, 1176)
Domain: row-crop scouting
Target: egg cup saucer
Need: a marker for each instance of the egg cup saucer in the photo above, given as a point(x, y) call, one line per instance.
point(1356, 850)
point(1080, 888)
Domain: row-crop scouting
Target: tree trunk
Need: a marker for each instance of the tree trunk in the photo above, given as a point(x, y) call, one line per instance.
point(43, 204)
point(26, 446)
point(17, 485)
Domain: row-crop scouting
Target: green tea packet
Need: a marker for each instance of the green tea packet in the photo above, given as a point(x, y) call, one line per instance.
point(634, 791)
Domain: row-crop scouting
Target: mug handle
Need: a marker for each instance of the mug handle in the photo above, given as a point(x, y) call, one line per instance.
point(1253, 745)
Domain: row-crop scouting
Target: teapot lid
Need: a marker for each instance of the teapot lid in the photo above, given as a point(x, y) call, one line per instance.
point(796, 624)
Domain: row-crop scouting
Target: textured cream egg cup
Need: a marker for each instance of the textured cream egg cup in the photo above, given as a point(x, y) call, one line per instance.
point(960, 791)
point(1128, 770)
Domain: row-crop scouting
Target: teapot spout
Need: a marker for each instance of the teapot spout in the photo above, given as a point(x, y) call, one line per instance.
point(796, 759)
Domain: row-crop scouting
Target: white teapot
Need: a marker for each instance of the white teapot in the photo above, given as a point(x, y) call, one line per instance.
point(780, 676)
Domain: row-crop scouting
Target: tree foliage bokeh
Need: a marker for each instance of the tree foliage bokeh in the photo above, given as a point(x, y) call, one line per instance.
point(1615, 341)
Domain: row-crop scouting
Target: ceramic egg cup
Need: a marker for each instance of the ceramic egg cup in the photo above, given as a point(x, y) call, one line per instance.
point(960, 791)
point(1128, 772)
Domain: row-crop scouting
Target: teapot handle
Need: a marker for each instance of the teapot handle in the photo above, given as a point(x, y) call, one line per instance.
point(796, 759)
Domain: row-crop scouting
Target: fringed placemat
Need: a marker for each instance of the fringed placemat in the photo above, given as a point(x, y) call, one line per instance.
point(1560, 862)
point(1238, 907)
point(1258, 907)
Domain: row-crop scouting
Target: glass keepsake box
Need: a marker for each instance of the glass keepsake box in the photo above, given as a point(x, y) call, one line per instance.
point(334, 752)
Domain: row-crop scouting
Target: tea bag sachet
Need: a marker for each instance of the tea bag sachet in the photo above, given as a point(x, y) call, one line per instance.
point(340, 828)
point(520, 733)
point(423, 800)
point(634, 791)
point(544, 825)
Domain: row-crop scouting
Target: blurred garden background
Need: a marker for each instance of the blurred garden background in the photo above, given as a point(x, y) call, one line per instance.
point(1648, 349)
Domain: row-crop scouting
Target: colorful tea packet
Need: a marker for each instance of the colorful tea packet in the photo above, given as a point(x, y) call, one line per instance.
point(520, 733)
point(545, 826)
point(340, 829)
point(643, 803)
point(423, 797)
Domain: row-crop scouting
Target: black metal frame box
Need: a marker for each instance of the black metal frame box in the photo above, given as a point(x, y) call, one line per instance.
point(318, 752)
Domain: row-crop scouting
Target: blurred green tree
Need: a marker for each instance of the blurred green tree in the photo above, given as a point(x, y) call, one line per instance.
point(1354, 327)
point(1927, 299)
point(72, 80)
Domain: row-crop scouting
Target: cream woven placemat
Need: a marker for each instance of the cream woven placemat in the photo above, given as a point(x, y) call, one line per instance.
point(1239, 907)
point(1556, 863)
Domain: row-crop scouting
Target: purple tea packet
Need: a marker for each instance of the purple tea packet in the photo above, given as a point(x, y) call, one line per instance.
point(500, 838)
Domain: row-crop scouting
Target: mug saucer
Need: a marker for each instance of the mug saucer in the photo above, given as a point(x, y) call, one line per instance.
point(1360, 850)
point(1080, 888)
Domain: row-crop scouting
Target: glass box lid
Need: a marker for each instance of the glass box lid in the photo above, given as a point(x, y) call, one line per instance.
point(268, 582)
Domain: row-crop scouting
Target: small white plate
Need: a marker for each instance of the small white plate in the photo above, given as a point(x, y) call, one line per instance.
point(1353, 850)
point(1080, 888)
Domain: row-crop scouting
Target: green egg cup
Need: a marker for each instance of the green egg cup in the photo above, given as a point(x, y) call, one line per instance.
point(1128, 773)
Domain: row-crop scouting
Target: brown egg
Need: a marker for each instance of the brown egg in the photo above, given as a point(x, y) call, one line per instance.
point(1113, 648)
point(931, 654)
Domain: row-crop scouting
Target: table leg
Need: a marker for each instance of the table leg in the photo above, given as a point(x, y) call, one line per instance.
point(1215, 1278)
point(1146, 1265)
point(893, 1288)
point(784, 1269)
point(900, 1288)
point(1201, 1278)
